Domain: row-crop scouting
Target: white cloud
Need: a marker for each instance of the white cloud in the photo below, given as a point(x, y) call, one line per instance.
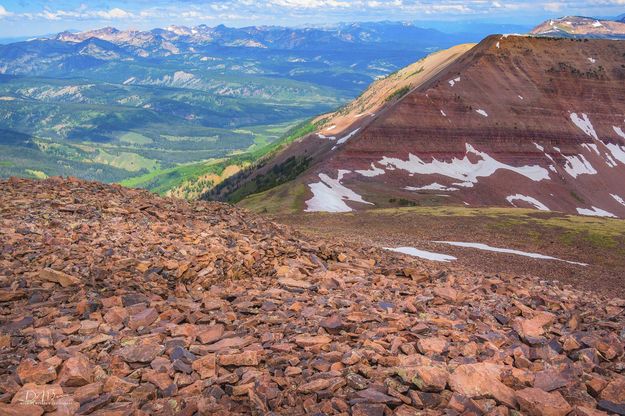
point(83, 13)
point(310, 4)
point(4, 12)
point(553, 7)
point(115, 13)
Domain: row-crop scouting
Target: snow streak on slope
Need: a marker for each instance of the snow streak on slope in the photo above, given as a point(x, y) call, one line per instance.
point(431, 187)
point(578, 165)
point(428, 255)
point(533, 201)
point(595, 212)
point(618, 151)
point(486, 247)
point(463, 169)
point(370, 173)
point(584, 125)
point(618, 199)
point(329, 195)
point(347, 137)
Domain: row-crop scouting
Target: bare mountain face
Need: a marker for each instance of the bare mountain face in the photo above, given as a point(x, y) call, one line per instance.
point(584, 27)
point(515, 121)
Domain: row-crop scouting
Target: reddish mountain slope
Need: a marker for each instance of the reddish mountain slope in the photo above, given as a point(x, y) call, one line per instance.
point(576, 26)
point(522, 121)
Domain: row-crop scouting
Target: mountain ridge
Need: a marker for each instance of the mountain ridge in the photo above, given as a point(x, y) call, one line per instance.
point(564, 157)
point(581, 27)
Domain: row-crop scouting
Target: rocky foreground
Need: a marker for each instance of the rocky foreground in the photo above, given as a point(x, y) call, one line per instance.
point(117, 302)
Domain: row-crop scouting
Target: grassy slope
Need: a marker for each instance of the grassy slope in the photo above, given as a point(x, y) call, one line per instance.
point(162, 181)
point(599, 242)
point(111, 132)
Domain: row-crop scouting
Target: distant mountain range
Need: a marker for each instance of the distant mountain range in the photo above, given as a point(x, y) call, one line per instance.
point(69, 52)
point(582, 27)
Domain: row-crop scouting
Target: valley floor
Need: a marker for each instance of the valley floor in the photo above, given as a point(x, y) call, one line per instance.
point(598, 242)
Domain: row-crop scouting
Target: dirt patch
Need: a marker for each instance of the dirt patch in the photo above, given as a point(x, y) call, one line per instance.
point(598, 242)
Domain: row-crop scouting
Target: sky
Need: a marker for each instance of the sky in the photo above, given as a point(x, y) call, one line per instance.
point(21, 18)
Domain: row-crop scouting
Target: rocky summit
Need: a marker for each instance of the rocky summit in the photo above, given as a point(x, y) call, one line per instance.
point(118, 302)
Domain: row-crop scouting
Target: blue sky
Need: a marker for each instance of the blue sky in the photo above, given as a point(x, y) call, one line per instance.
point(35, 17)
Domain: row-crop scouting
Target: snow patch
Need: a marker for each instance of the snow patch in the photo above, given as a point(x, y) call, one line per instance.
point(618, 151)
point(486, 247)
point(463, 169)
point(595, 212)
point(130, 80)
point(591, 147)
point(482, 112)
point(533, 201)
point(619, 131)
point(428, 255)
point(329, 195)
point(370, 173)
point(431, 187)
point(497, 45)
point(453, 82)
point(443, 113)
point(584, 124)
point(349, 136)
point(618, 199)
point(578, 165)
point(520, 97)
point(323, 136)
point(592, 60)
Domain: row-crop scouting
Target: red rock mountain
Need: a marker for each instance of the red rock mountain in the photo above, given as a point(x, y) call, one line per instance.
point(514, 121)
point(576, 26)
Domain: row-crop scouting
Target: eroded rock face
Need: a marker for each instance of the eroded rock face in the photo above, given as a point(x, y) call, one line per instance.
point(180, 308)
point(516, 121)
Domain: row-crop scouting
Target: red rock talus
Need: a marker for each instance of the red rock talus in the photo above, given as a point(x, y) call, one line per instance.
point(118, 302)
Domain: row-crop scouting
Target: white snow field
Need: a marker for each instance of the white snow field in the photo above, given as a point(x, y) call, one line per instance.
point(464, 169)
point(486, 247)
point(428, 255)
point(595, 212)
point(533, 201)
point(329, 195)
